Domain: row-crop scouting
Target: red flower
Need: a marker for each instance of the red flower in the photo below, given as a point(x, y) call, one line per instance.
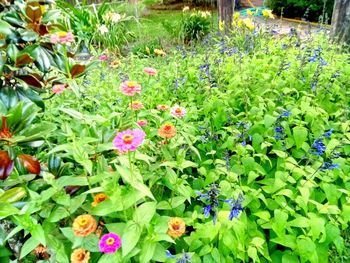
point(6, 165)
point(30, 163)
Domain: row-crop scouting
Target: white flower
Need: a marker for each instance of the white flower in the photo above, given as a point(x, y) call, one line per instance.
point(186, 8)
point(115, 17)
point(103, 29)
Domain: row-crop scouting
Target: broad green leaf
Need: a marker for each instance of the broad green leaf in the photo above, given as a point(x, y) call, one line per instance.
point(300, 136)
point(147, 251)
point(130, 237)
point(6, 209)
point(144, 213)
point(29, 246)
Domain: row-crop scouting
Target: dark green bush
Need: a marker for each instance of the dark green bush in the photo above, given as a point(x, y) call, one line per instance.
point(311, 10)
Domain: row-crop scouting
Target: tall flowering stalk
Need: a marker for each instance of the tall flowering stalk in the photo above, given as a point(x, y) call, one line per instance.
point(211, 200)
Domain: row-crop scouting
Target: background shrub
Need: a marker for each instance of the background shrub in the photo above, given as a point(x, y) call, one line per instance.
point(311, 10)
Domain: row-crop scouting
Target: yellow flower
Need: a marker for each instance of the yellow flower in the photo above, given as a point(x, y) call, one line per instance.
point(248, 23)
point(84, 225)
point(249, 12)
point(176, 226)
point(115, 63)
point(148, 50)
point(221, 25)
point(268, 13)
point(159, 52)
point(236, 15)
point(80, 255)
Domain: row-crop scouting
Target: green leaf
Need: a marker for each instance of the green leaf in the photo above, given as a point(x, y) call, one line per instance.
point(71, 180)
point(13, 195)
point(5, 28)
point(300, 136)
point(29, 246)
point(109, 258)
point(147, 251)
point(301, 221)
point(144, 213)
point(130, 237)
point(307, 250)
point(6, 209)
point(38, 233)
point(58, 214)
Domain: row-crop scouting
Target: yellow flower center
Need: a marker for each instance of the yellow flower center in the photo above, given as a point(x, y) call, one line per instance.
point(110, 241)
point(83, 222)
point(131, 84)
point(178, 110)
point(62, 34)
point(127, 138)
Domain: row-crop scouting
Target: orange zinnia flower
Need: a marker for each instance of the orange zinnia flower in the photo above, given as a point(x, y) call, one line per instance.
point(99, 198)
point(80, 255)
point(84, 225)
point(176, 226)
point(167, 131)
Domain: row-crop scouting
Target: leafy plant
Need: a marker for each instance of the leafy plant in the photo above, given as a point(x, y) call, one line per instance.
point(194, 25)
point(30, 62)
point(99, 26)
point(315, 10)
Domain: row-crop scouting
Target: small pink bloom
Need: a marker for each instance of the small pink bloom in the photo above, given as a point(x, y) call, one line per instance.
point(62, 37)
point(58, 88)
point(103, 57)
point(129, 140)
point(110, 243)
point(136, 105)
point(150, 71)
point(178, 111)
point(142, 122)
point(54, 39)
point(130, 88)
point(162, 107)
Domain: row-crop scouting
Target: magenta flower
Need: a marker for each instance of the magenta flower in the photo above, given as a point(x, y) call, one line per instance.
point(178, 111)
point(110, 243)
point(103, 57)
point(142, 123)
point(129, 140)
point(150, 71)
point(130, 88)
point(58, 88)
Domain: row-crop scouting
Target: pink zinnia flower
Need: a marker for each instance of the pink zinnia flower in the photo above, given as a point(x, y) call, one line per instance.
point(58, 88)
point(142, 122)
point(129, 140)
point(136, 105)
point(103, 57)
point(110, 243)
point(62, 37)
point(130, 88)
point(150, 71)
point(178, 111)
point(162, 107)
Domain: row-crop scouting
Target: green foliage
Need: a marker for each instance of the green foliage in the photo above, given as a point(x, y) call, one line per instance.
point(193, 26)
point(256, 106)
point(315, 10)
point(98, 25)
point(30, 63)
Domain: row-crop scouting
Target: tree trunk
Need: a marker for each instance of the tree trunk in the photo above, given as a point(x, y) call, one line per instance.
point(341, 21)
point(226, 8)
